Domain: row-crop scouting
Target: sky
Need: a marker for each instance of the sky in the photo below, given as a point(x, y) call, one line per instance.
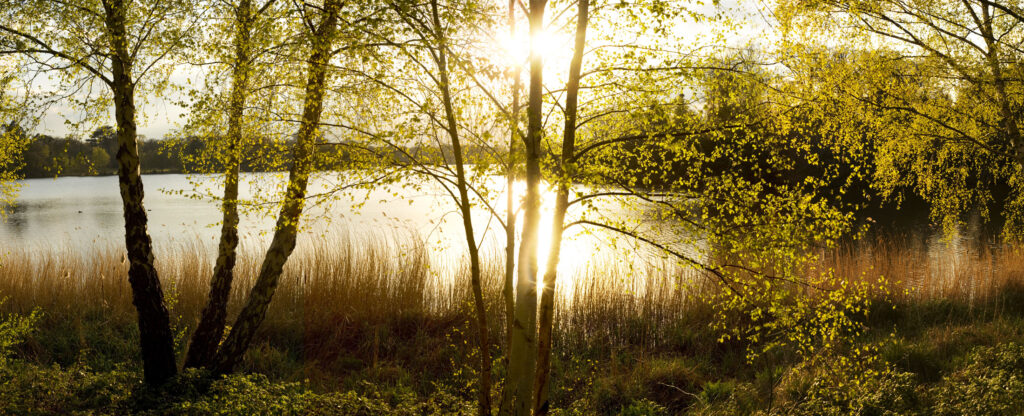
point(156, 119)
point(160, 115)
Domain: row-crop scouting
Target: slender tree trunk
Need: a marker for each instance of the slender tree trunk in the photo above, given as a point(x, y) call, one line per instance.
point(155, 336)
point(508, 292)
point(547, 297)
point(523, 359)
point(283, 242)
point(1007, 120)
point(484, 402)
point(208, 333)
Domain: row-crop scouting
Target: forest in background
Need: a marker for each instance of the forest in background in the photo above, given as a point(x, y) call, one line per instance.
point(47, 156)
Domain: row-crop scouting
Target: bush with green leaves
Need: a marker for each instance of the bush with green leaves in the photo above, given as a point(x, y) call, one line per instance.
point(29, 389)
point(13, 330)
point(854, 383)
point(256, 394)
point(991, 383)
point(644, 407)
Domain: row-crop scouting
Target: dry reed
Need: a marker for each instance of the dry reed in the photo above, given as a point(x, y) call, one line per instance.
point(376, 297)
point(917, 270)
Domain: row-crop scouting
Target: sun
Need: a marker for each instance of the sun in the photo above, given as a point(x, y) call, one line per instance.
point(554, 47)
point(573, 254)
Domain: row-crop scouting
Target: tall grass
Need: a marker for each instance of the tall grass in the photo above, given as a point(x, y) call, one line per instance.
point(349, 302)
point(918, 270)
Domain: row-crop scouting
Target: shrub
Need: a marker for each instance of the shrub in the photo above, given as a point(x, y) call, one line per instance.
point(29, 389)
point(716, 391)
point(14, 329)
point(991, 383)
point(643, 407)
point(256, 394)
point(856, 388)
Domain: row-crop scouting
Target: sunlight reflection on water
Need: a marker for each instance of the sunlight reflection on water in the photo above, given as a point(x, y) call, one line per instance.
point(85, 213)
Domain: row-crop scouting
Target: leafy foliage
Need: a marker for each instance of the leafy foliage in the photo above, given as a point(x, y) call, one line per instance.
point(991, 383)
point(945, 106)
point(13, 330)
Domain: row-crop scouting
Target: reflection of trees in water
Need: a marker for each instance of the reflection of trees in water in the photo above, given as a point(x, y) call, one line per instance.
point(15, 220)
point(107, 219)
point(55, 220)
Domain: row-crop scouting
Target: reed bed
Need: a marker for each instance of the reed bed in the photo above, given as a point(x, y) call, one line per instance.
point(606, 303)
point(917, 270)
point(354, 301)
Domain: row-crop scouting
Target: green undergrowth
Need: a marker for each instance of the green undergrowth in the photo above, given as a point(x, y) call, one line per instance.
point(931, 357)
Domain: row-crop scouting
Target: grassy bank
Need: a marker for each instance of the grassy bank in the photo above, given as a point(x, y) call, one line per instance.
point(364, 325)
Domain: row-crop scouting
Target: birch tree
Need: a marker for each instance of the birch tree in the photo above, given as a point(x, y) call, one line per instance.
point(523, 349)
point(13, 138)
point(707, 180)
point(563, 175)
point(434, 114)
point(254, 29)
point(511, 210)
point(947, 82)
point(321, 22)
point(465, 206)
point(109, 51)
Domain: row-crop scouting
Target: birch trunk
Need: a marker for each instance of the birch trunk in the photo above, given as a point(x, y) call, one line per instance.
point(523, 354)
point(155, 336)
point(283, 242)
point(484, 402)
point(210, 329)
point(547, 298)
point(508, 292)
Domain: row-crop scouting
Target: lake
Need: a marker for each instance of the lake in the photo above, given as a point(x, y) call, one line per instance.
point(85, 213)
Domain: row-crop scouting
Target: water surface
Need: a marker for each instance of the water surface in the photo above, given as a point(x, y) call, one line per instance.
point(85, 213)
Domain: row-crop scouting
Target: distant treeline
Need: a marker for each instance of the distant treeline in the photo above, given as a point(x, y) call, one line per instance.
point(47, 156)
